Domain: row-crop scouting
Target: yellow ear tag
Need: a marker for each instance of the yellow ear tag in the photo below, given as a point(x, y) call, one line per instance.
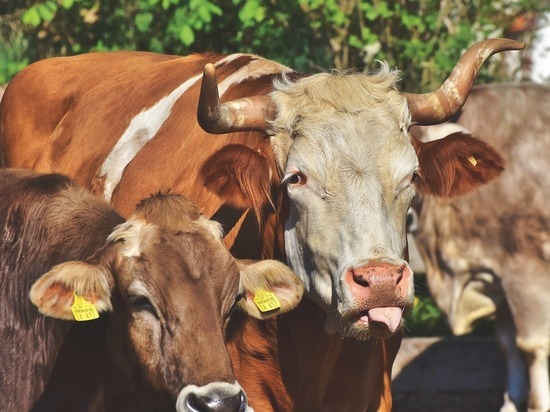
point(266, 301)
point(83, 310)
point(472, 160)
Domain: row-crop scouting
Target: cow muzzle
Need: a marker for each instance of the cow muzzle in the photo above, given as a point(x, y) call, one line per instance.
point(214, 397)
point(381, 293)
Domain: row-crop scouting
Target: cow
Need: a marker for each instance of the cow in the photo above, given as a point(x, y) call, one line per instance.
point(317, 170)
point(488, 253)
point(164, 276)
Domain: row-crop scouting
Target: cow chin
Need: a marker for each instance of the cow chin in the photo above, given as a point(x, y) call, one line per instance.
point(376, 323)
point(365, 324)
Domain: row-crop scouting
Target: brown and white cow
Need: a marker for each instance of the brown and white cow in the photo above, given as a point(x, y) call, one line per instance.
point(165, 275)
point(318, 169)
point(488, 253)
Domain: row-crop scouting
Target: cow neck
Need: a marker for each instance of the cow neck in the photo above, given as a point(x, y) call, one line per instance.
point(228, 216)
point(320, 370)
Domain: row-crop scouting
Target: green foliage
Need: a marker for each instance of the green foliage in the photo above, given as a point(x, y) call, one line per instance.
point(423, 38)
point(426, 319)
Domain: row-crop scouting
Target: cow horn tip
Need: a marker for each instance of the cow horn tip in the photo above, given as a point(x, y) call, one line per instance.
point(517, 44)
point(209, 69)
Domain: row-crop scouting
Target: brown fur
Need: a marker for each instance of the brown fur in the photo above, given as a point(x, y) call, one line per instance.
point(501, 231)
point(448, 169)
point(237, 169)
point(152, 271)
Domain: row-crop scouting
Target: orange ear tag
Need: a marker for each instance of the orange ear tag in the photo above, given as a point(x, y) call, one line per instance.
point(83, 310)
point(266, 301)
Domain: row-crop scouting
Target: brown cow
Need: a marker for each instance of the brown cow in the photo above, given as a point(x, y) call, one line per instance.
point(488, 253)
point(164, 274)
point(328, 190)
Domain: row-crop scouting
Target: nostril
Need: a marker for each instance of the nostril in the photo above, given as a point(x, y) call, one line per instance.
point(242, 402)
point(360, 280)
point(197, 403)
point(399, 275)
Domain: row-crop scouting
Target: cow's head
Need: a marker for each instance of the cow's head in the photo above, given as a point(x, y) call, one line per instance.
point(351, 169)
point(172, 287)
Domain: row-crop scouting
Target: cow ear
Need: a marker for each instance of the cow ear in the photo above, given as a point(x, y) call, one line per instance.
point(270, 288)
point(456, 164)
point(239, 175)
point(54, 293)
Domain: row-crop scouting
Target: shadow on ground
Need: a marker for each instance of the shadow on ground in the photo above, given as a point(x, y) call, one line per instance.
point(448, 375)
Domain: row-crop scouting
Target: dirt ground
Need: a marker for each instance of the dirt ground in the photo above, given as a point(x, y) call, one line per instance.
point(448, 375)
point(476, 401)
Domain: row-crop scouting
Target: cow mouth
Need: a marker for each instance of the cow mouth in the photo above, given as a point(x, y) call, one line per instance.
point(381, 322)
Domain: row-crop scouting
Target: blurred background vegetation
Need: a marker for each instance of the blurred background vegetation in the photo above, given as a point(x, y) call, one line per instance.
point(423, 38)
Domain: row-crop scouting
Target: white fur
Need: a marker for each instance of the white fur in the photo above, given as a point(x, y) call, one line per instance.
point(346, 135)
point(145, 125)
point(131, 233)
point(142, 129)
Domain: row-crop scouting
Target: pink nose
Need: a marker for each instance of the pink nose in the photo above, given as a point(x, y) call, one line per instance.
point(379, 283)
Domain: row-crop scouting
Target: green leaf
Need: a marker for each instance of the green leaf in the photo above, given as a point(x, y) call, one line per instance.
point(47, 10)
point(251, 11)
point(368, 36)
point(214, 9)
point(31, 17)
point(355, 41)
point(204, 14)
point(67, 4)
point(187, 36)
point(156, 45)
point(143, 21)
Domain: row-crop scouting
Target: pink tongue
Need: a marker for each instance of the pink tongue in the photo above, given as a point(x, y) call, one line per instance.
point(391, 317)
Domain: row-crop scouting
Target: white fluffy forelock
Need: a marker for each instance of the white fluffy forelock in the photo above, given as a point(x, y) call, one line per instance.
point(131, 234)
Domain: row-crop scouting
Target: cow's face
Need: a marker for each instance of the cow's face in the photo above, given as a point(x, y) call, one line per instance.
point(349, 171)
point(172, 292)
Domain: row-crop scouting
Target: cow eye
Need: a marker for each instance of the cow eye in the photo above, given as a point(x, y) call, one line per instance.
point(415, 176)
point(296, 179)
point(141, 303)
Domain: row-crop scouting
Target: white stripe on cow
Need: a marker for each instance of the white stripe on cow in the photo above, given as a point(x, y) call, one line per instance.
point(142, 128)
point(146, 124)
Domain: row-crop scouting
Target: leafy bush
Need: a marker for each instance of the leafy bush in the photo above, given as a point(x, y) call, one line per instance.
point(423, 38)
point(426, 319)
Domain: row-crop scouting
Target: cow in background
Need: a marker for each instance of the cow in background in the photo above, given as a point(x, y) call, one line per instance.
point(488, 253)
point(164, 275)
point(318, 170)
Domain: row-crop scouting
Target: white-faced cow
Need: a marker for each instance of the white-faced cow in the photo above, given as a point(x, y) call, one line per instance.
point(488, 252)
point(165, 275)
point(315, 169)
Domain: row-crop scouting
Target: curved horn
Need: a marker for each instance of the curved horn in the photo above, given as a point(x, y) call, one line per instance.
point(249, 113)
point(442, 104)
